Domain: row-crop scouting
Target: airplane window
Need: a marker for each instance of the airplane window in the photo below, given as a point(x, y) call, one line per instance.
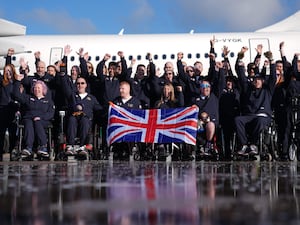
point(216, 54)
point(206, 55)
point(13, 58)
point(231, 54)
point(189, 55)
point(114, 58)
point(72, 58)
point(155, 57)
point(172, 56)
point(164, 56)
point(197, 55)
point(138, 57)
point(90, 58)
point(130, 57)
point(97, 58)
point(146, 57)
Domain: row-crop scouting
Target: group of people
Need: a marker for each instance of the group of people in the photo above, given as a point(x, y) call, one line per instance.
point(244, 103)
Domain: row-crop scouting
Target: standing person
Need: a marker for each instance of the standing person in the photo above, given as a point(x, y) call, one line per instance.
point(109, 91)
point(157, 82)
point(139, 85)
point(40, 74)
point(256, 106)
point(229, 103)
point(109, 83)
point(8, 108)
point(169, 100)
point(125, 100)
point(190, 79)
point(38, 111)
point(280, 103)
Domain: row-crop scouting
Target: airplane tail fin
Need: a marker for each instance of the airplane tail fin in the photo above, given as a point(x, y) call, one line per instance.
point(8, 28)
point(289, 24)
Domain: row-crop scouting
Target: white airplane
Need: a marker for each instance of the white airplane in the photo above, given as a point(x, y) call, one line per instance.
point(164, 47)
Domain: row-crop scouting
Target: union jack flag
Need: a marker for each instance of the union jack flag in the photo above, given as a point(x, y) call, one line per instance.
point(174, 125)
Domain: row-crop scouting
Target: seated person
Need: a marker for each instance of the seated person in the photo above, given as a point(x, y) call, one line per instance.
point(38, 111)
point(209, 105)
point(82, 106)
point(256, 96)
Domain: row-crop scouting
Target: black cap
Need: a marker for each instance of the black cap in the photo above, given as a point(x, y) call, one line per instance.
point(231, 78)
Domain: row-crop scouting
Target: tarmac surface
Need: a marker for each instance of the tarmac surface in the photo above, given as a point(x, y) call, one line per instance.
point(134, 192)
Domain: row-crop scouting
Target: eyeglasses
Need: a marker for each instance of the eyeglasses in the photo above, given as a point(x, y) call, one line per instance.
point(78, 83)
point(204, 85)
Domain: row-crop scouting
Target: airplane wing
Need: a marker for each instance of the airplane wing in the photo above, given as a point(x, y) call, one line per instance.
point(290, 24)
point(8, 28)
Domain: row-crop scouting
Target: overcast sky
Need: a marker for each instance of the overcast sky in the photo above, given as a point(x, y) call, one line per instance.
point(146, 16)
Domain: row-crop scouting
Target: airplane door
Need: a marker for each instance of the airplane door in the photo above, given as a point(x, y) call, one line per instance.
point(55, 55)
point(253, 42)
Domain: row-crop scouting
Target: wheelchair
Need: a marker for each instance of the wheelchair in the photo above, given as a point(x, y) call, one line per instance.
point(294, 140)
point(210, 154)
point(61, 154)
point(17, 151)
point(267, 145)
point(268, 139)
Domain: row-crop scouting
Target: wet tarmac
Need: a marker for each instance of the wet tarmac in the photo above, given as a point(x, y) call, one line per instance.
point(129, 193)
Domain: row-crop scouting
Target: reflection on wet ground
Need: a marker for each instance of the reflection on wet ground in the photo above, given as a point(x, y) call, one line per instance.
point(128, 193)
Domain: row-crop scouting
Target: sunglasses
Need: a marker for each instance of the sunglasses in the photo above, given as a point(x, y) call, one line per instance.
point(78, 83)
point(204, 85)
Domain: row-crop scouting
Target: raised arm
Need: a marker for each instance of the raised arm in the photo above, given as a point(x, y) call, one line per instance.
point(10, 52)
point(100, 66)
point(240, 69)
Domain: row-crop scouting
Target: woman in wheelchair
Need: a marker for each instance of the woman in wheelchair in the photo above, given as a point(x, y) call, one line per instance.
point(37, 113)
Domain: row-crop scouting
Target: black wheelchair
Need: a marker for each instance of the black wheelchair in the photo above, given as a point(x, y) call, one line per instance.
point(294, 139)
point(91, 149)
point(16, 153)
point(208, 153)
point(267, 145)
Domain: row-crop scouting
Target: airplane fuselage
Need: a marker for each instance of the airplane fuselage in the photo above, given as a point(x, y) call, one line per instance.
point(163, 47)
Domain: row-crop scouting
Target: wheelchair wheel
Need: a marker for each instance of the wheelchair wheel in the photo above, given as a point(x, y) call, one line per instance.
point(15, 155)
point(136, 156)
point(293, 149)
point(298, 150)
point(266, 157)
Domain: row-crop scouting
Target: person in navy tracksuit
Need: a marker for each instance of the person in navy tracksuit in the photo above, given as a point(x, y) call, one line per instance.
point(125, 100)
point(37, 113)
point(256, 97)
point(208, 105)
point(82, 106)
point(8, 108)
